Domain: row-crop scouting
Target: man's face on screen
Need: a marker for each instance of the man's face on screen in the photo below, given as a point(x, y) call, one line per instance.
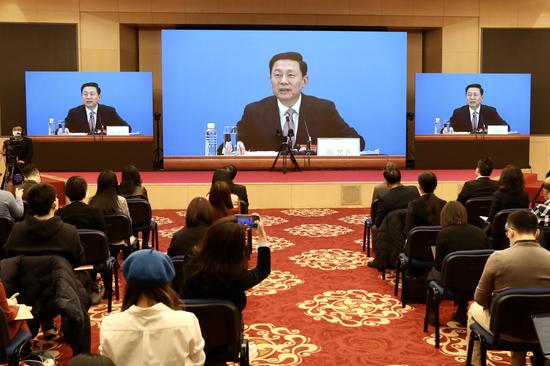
point(287, 81)
point(90, 97)
point(474, 97)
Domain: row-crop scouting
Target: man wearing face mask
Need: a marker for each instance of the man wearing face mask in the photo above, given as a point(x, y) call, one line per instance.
point(19, 146)
point(475, 117)
point(266, 121)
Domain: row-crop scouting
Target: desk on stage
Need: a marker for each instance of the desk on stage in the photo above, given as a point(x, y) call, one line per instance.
point(92, 153)
point(463, 151)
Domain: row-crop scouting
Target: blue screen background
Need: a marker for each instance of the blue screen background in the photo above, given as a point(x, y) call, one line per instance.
point(437, 95)
point(52, 94)
point(211, 75)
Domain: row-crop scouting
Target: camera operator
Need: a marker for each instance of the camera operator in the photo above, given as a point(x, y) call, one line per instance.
point(18, 147)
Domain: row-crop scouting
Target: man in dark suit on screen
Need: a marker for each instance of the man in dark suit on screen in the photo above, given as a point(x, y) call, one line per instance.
point(264, 123)
point(475, 117)
point(92, 117)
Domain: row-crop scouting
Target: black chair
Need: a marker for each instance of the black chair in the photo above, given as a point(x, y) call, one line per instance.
point(10, 349)
point(367, 227)
point(244, 207)
point(178, 261)
point(511, 312)
point(456, 283)
point(221, 328)
point(476, 207)
point(118, 229)
point(498, 236)
point(142, 221)
point(544, 238)
point(96, 253)
point(417, 258)
point(6, 224)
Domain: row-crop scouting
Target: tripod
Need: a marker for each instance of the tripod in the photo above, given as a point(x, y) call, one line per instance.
point(285, 150)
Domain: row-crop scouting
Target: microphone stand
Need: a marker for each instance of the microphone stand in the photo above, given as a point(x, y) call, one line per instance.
point(285, 150)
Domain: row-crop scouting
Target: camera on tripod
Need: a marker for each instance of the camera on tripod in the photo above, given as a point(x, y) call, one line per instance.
point(13, 170)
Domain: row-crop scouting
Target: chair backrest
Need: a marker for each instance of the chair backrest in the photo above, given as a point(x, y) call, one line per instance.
point(140, 211)
point(511, 312)
point(220, 323)
point(373, 208)
point(420, 241)
point(500, 240)
point(453, 273)
point(476, 207)
point(544, 238)
point(178, 261)
point(4, 337)
point(244, 207)
point(6, 224)
point(118, 228)
point(95, 244)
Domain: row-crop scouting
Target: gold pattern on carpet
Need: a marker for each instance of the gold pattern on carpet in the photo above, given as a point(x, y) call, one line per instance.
point(279, 345)
point(354, 308)
point(354, 220)
point(309, 212)
point(331, 259)
point(274, 243)
point(277, 281)
point(318, 230)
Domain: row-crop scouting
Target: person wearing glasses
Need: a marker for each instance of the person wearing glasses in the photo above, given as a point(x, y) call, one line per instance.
point(92, 117)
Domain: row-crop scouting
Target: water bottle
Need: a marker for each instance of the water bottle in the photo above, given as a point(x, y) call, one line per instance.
point(211, 140)
point(437, 126)
point(51, 127)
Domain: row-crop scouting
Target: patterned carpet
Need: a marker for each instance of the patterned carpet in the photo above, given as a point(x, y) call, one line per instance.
point(322, 305)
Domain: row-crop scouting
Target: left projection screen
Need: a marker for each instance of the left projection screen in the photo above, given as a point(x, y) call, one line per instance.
point(211, 75)
point(52, 94)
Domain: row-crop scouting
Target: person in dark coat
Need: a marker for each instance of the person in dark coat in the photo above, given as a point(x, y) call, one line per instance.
point(238, 189)
point(78, 213)
point(425, 210)
point(198, 219)
point(483, 185)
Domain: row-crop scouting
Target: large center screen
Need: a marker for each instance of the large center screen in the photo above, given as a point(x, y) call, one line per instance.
point(355, 87)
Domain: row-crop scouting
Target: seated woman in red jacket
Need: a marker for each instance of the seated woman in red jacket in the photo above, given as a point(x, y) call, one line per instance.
point(10, 308)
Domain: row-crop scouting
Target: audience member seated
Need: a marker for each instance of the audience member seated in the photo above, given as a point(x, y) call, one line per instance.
point(381, 189)
point(151, 323)
point(388, 239)
point(198, 219)
point(220, 199)
point(542, 210)
point(130, 186)
point(90, 359)
point(483, 185)
point(31, 178)
point(221, 175)
point(425, 210)
point(107, 198)
point(456, 234)
point(10, 308)
point(77, 212)
point(220, 268)
point(43, 233)
point(525, 264)
point(10, 206)
point(238, 189)
point(397, 197)
point(510, 193)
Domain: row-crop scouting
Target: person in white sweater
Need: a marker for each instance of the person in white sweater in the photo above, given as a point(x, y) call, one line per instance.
point(151, 329)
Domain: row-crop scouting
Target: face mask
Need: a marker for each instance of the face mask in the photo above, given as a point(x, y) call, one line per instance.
point(16, 133)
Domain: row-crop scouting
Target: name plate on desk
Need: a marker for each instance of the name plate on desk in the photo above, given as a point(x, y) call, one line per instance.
point(118, 131)
point(497, 130)
point(336, 146)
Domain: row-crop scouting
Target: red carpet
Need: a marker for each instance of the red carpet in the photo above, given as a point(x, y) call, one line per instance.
point(322, 305)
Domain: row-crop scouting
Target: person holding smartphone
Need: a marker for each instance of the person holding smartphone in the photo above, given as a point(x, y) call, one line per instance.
point(220, 268)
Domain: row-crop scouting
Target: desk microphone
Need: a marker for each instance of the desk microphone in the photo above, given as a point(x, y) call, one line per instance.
point(308, 142)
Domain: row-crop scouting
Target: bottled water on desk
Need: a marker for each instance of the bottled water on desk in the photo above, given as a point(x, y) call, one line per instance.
point(437, 126)
point(211, 140)
point(51, 127)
